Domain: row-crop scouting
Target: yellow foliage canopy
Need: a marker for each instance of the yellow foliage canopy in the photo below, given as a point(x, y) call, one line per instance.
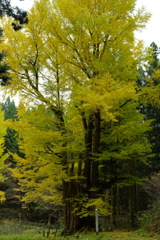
point(77, 61)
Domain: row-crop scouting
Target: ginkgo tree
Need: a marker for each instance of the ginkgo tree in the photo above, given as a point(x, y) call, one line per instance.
point(78, 59)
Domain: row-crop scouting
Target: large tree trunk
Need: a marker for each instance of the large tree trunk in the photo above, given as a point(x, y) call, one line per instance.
point(96, 145)
point(94, 167)
point(73, 189)
point(72, 207)
point(113, 205)
point(88, 128)
point(132, 195)
point(113, 192)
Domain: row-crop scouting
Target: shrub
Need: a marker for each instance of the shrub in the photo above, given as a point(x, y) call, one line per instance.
point(150, 219)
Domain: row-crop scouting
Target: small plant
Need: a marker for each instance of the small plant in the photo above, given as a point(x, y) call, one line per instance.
point(150, 219)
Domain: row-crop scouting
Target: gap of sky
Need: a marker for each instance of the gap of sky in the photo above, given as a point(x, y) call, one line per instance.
point(150, 34)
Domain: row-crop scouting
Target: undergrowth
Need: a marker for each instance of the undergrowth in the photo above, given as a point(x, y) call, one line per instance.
point(12, 230)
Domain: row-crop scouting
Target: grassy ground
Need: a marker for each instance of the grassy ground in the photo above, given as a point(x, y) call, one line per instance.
point(15, 231)
point(105, 236)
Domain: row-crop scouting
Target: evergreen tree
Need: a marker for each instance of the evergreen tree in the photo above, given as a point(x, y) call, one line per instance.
point(150, 110)
point(10, 146)
point(18, 14)
point(10, 111)
point(4, 78)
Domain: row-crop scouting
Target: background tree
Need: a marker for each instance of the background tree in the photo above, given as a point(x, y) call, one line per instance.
point(6, 9)
point(4, 78)
point(150, 109)
point(10, 111)
point(150, 218)
point(10, 146)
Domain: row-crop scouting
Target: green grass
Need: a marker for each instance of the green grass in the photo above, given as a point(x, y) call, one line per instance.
point(102, 236)
point(10, 230)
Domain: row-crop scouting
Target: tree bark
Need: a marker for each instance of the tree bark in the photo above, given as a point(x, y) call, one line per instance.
point(88, 128)
point(132, 196)
point(96, 144)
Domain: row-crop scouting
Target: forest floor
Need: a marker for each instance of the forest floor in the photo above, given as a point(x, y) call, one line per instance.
point(116, 235)
point(10, 230)
point(106, 236)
